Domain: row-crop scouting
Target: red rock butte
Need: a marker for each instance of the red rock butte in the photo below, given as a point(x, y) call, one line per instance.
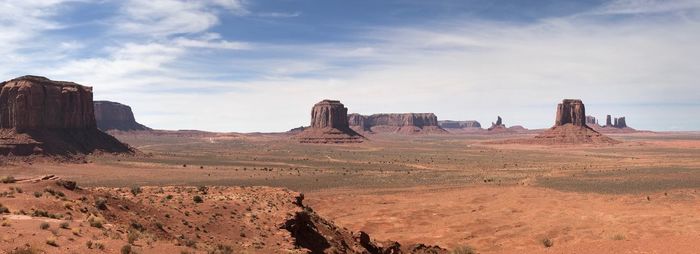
point(329, 124)
point(570, 127)
point(41, 116)
point(116, 116)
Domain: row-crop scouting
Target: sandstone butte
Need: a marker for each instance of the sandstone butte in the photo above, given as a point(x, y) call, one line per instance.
point(570, 127)
point(329, 124)
point(41, 116)
point(402, 123)
point(116, 116)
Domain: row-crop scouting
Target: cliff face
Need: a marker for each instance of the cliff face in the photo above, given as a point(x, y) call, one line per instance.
point(41, 116)
point(34, 103)
point(590, 121)
point(571, 112)
point(399, 123)
point(115, 116)
point(459, 124)
point(329, 124)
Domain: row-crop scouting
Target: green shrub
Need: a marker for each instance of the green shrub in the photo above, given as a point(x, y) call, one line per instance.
point(101, 203)
point(197, 199)
point(136, 190)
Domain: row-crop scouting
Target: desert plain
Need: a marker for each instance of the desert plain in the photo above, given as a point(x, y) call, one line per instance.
point(451, 190)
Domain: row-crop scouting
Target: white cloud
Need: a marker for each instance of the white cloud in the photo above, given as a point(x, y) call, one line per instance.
point(646, 6)
point(172, 17)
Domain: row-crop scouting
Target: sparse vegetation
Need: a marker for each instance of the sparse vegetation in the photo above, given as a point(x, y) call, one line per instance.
point(52, 241)
point(463, 250)
point(197, 199)
point(136, 190)
point(618, 237)
point(8, 179)
point(101, 203)
point(44, 225)
point(4, 209)
point(64, 225)
point(221, 249)
point(126, 249)
point(547, 242)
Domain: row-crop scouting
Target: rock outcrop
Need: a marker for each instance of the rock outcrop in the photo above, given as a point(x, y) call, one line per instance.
point(329, 124)
point(608, 121)
point(498, 126)
point(41, 116)
point(403, 123)
point(449, 124)
point(570, 127)
point(116, 116)
point(620, 123)
point(590, 120)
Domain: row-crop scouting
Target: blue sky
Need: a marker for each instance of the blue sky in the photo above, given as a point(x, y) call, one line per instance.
point(246, 65)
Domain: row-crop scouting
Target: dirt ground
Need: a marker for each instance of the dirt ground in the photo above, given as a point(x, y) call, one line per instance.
point(451, 190)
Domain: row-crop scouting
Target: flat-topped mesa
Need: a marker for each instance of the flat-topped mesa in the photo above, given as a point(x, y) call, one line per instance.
point(116, 116)
point(608, 121)
point(42, 116)
point(571, 111)
point(406, 123)
point(449, 124)
point(37, 103)
point(329, 124)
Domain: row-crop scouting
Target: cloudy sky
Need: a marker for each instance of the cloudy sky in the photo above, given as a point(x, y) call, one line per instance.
point(249, 65)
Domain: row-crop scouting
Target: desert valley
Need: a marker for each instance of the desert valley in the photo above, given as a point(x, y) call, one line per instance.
point(347, 183)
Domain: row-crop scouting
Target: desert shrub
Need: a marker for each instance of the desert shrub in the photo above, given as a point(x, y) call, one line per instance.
point(50, 191)
point(169, 197)
point(8, 179)
point(132, 236)
point(17, 189)
point(40, 213)
point(197, 199)
point(4, 209)
point(88, 244)
point(64, 225)
point(203, 189)
point(221, 249)
point(52, 241)
point(463, 250)
point(618, 237)
point(38, 194)
point(44, 225)
point(69, 185)
point(96, 222)
point(136, 190)
point(25, 250)
point(547, 242)
point(98, 245)
point(75, 231)
point(126, 249)
point(101, 203)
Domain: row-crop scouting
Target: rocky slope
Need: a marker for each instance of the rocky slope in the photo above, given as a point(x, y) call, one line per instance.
point(404, 123)
point(116, 116)
point(41, 116)
point(329, 124)
point(55, 216)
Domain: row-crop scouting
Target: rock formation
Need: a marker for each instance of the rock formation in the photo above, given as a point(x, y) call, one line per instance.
point(571, 112)
point(116, 116)
point(459, 124)
point(608, 121)
point(329, 124)
point(570, 127)
point(41, 116)
point(590, 120)
point(405, 123)
point(498, 125)
point(620, 123)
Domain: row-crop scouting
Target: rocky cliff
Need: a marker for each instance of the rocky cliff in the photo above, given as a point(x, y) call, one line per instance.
point(329, 124)
point(498, 125)
point(590, 120)
point(571, 112)
point(406, 123)
point(41, 116)
point(459, 124)
point(115, 116)
point(31, 102)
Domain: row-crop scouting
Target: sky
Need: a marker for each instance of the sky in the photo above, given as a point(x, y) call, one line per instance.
point(260, 65)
